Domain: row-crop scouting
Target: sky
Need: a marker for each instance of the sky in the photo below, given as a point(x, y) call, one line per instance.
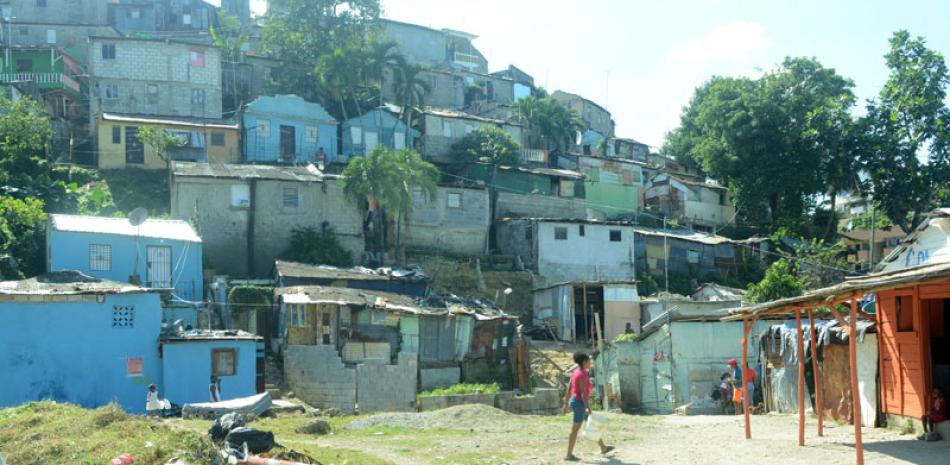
point(642, 59)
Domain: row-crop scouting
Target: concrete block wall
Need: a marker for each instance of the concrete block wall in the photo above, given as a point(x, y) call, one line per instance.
point(318, 376)
point(383, 387)
point(541, 402)
point(436, 378)
point(463, 230)
point(223, 228)
point(511, 205)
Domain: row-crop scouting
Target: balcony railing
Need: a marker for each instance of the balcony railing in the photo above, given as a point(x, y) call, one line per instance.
point(43, 80)
point(534, 156)
point(467, 59)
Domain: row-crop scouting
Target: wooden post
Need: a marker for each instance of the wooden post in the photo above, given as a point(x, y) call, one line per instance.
point(855, 394)
point(819, 406)
point(801, 377)
point(745, 381)
point(586, 315)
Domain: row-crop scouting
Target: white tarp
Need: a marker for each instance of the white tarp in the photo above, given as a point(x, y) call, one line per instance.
point(253, 406)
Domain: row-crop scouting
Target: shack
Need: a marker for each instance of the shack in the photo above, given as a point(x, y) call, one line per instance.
point(570, 310)
point(190, 358)
point(406, 281)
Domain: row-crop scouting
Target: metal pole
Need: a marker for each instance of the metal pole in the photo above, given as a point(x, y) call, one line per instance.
point(855, 395)
point(801, 378)
point(666, 257)
point(819, 406)
point(745, 382)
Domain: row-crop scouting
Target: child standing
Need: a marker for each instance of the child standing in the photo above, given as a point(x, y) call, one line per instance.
point(153, 405)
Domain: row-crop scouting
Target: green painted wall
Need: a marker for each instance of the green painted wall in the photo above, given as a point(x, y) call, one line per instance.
point(612, 188)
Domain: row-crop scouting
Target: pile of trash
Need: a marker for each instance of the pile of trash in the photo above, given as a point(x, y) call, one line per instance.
point(243, 445)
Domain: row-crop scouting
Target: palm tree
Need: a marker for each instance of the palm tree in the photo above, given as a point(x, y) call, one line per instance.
point(549, 123)
point(408, 172)
point(365, 183)
point(410, 88)
point(382, 56)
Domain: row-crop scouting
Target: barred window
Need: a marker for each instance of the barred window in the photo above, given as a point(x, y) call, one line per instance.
point(123, 316)
point(100, 257)
point(291, 197)
point(560, 233)
point(223, 362)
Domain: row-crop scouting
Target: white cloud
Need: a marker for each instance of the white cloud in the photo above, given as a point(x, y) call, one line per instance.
point(732, 41)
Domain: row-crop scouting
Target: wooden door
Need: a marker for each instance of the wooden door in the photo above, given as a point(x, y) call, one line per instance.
point(288, 143)
point(903, 372)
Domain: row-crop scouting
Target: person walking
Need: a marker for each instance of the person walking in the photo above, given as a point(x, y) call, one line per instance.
point(215, 389)
point(577, 400)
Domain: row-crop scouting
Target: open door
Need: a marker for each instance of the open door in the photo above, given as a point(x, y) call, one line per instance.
point(288, 144)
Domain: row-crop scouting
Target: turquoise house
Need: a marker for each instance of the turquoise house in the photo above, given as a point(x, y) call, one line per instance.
point(73, 338)
point(189, 360)
point(380, 126)
point(163, 254)
point(288, 129)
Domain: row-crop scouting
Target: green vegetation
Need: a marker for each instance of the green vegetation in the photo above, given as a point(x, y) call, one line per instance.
point(308, 245)
point(133, 188)
point(463, 388)
point(550, 124)
point(627, 337)
point(779, 282)
point(22, 237)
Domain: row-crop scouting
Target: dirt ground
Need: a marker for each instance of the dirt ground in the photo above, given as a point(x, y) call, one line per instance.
point(482, 435)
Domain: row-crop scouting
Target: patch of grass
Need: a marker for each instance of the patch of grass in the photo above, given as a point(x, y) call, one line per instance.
point(47, 432)
point(463, 388)
point(132, 188)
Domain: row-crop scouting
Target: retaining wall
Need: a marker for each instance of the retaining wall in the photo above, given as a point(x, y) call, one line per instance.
point(541, 402)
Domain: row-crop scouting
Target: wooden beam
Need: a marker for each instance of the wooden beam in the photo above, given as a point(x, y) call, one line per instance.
point(834, 313)
point(745, 361)
point(855, 394)
point(819, 406)
point(801, 378)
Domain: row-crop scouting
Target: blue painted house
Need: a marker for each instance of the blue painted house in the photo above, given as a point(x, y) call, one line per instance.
point(189, 360)
point(288, 129)
point(78, 339)
point(380, 126)
point(163, 254)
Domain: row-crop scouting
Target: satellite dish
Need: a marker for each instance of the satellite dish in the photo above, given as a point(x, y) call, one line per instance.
point(138, 216)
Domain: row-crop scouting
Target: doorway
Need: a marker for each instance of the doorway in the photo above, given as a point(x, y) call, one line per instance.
point(288, 143)
point(134, 150)
point(158, 272)
point(588, 301)
point(939, 329)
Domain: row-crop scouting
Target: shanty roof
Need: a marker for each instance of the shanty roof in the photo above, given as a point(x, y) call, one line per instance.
point(880, 235)
point(852, 288)
point(589, 283)
point(553, 172)
point(348, 296)
point(304, 270)
point(176, 230)
point(681, 234)
point(202, 123)
point(307, 173)
point(721, 292)
point(448, 113)
point(210, 335)
point(690, 182)
point(68, 282)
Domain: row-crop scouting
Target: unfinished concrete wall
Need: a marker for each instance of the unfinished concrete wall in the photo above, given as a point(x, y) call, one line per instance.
point(456, 220)
point(383, 387)
point(223, 228)
point(436, 378)
point(318, 376)
point(511, 205)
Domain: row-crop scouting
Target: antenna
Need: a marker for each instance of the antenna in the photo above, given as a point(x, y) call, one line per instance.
point(136, 218)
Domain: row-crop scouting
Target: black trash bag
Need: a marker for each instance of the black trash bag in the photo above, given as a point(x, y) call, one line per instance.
point(225, 424)
point(257, 441)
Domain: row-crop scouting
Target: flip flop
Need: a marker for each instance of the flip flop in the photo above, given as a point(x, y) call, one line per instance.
point(572, 458)
point(608, 450)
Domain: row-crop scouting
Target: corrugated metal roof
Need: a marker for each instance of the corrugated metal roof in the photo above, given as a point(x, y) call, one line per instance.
point(176, 230)
point(172, 121)
point(553, 172)
point(303, 270)
point(308, 173)
point(348, 296)
point(211, 335)
point(68, 282)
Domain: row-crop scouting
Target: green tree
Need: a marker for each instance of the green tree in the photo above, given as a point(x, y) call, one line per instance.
point(909, 122)
point(302, 32)
point(318, 247)
point(779, 282)
point(409, 174)
point(753, 135)
point(550, 125)
point(160, 141)
point(22, 237)
point(492, 146)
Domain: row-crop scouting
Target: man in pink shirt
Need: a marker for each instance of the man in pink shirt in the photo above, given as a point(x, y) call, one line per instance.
point(577, 400)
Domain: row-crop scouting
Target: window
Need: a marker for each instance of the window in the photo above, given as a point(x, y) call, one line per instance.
point(151, 93)
point(356, 135)
point(24, 31)
point(692, 256)
point(223, 362)
point(433, 82)
point(372, 140)
point(217, 138)
point(327, 328)
point(196, 58)
point(133, 13)
point(112, 91)
point(399, 141)
point(100, 257)
point(291, 197)
point(186, 19)
point(905, 314)
point(240, 195)
point(41, 3)
point(312, 134)
point(528, 232)
point(116, 134)
point(580, 230)
point(197, 96)
point(446, 128)
point(615, 235)
point(108, 51)
point(24, 66)
point(51, 36)
point(419, 196)
point(263, 128)
point(123, 316)
point(468, 129)
point(454, 200)
point(560, 233)
point(298, 315)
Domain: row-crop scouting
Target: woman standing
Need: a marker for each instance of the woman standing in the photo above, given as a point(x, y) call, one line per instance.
point(577, 400)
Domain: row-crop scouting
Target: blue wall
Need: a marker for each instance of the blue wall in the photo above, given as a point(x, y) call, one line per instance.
point(288, 110)
point(371, 121)
point(69, 351)
point(187, 369)
point(70, 251)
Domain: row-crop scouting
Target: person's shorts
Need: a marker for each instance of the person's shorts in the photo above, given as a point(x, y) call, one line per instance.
point(580, 411)
point(737, 395)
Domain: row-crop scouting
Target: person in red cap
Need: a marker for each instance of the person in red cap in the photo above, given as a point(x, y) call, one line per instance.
point(740, 390)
